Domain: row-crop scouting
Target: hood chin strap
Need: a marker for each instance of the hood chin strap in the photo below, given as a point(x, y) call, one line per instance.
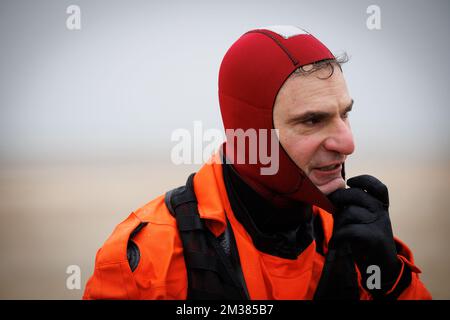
point(305, 191)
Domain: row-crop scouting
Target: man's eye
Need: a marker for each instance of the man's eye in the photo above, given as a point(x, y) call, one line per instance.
point(312, 121)
point(345, 115)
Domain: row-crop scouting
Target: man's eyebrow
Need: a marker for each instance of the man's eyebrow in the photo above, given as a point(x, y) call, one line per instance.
point(316, 114)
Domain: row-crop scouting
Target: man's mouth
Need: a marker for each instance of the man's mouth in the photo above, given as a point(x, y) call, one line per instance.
point(330, 168)
point(328, 178)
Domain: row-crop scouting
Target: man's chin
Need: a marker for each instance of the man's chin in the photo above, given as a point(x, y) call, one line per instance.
point(331, 186)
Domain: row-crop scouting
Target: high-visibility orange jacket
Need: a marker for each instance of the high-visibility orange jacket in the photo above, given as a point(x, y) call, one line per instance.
point(161, 272)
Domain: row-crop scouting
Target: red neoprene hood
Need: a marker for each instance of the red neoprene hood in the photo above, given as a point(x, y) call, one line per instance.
point(251, 74)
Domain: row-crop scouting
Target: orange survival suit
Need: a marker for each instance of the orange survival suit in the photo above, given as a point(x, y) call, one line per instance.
point(161, 272)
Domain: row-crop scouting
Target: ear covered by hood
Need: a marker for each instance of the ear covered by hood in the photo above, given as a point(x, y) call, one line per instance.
point(251, 74)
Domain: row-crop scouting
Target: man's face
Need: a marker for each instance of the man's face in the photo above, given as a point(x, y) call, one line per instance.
point(312, 117)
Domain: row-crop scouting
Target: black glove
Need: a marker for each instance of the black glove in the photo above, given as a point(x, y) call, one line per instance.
point(361, 220)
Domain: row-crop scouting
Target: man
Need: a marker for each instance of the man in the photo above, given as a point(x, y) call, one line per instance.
point(241, 230)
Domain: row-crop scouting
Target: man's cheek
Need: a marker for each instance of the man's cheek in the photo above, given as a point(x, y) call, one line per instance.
point(301, 150)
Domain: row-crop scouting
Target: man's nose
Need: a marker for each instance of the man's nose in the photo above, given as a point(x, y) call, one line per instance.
point(340, 138)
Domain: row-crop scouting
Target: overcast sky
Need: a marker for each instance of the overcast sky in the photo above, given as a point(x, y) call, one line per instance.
point(138, 70)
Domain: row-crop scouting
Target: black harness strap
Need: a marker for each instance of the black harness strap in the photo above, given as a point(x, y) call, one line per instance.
point(339, 280)
point(213, 268)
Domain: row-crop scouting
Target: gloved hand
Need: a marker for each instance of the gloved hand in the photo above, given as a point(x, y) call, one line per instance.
point(361, 220)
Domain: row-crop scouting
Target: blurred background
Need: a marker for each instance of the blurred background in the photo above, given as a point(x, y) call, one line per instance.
point(86, 117)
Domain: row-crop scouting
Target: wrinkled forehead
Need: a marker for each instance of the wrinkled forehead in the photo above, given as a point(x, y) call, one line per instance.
point(320, 85)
